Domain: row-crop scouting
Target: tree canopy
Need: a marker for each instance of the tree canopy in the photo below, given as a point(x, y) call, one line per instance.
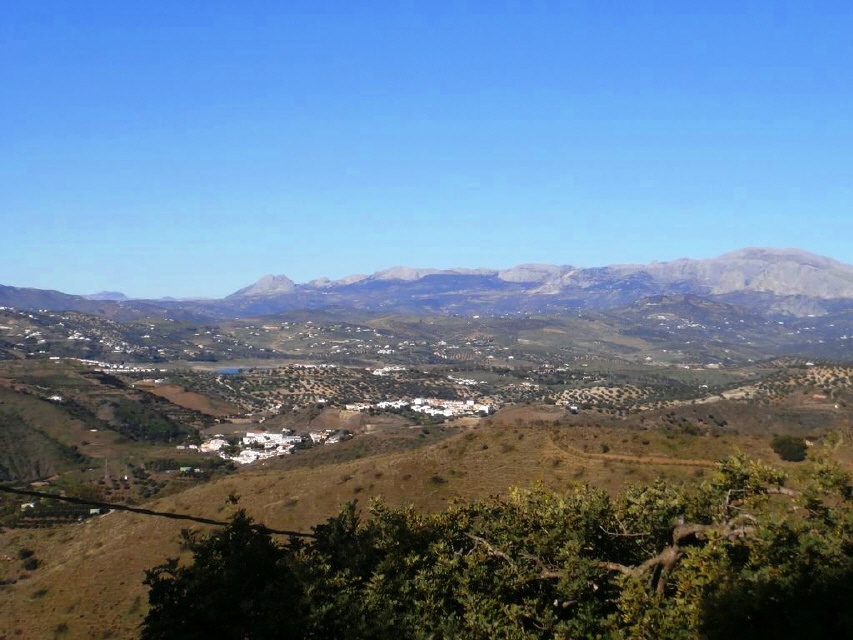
point(790, 448)
point(739, 555)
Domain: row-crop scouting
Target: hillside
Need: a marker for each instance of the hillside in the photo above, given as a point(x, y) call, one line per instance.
point(648, 404)
point(28, 452)
point(87, 582)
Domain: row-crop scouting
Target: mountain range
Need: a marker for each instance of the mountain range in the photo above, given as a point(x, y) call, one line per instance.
point(775, 281)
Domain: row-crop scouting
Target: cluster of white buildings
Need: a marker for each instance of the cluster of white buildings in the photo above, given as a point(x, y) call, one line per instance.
point(256, 445)
point(261, 445)
point(266, 440)
point(468, 382)
point(384, 371)
point(429, 406)
point(111, 366)
point(313, 366)
point(448, 408)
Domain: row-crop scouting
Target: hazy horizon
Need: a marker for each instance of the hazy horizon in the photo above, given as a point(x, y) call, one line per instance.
point(461, 268)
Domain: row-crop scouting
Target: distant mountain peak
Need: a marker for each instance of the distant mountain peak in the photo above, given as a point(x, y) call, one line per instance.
point(410, 274)
point(351, 279)
point(533, 273)
point(772, 254)
point(784, 279)
point(266, 286)
point(404, 273)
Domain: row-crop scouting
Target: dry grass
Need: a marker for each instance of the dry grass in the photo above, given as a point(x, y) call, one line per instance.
point(90, 581)
point(190, 399)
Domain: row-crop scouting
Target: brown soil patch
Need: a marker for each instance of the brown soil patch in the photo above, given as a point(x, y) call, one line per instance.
point(192, 400)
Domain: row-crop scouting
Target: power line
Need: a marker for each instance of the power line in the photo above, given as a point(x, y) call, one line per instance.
point(148, 512)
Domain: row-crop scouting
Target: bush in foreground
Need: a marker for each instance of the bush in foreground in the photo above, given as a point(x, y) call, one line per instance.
point(738, 556)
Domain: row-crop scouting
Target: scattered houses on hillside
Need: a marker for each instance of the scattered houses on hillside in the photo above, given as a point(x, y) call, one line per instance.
point(262, 445)
point(429, 406)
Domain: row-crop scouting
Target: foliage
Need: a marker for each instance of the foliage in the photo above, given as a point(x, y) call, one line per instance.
point(789, 448)
point(739, 555)
point(140, 422)
point(29, 452)
point(237, 587)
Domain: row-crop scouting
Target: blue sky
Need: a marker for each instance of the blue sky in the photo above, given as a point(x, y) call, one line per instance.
point(187, 148)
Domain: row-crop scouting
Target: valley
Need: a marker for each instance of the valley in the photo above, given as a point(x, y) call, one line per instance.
point(291, 414)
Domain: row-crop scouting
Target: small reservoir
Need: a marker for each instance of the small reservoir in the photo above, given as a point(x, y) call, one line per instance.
point(228, 371)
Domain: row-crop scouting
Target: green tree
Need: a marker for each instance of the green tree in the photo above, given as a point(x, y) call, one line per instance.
point(238, 586)
point(789, 448)
point(738, 555)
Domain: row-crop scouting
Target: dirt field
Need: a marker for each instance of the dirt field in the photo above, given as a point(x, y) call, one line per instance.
point(190, 399)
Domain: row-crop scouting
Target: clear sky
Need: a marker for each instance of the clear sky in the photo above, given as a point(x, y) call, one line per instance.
point(187, 148)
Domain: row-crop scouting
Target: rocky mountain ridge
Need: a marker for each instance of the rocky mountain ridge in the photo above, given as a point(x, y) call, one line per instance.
point(777, 281)
point(778, 271)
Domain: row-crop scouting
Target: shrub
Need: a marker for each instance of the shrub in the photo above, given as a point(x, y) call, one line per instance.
point(656, 561)
point(789, 448)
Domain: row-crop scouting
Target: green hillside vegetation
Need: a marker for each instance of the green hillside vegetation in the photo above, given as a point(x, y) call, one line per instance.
point(28, 453)
point(139, 422)
point(639, 426)
point(790, 448)
point(737, 556)
point(88, 434)
point(91, 573)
